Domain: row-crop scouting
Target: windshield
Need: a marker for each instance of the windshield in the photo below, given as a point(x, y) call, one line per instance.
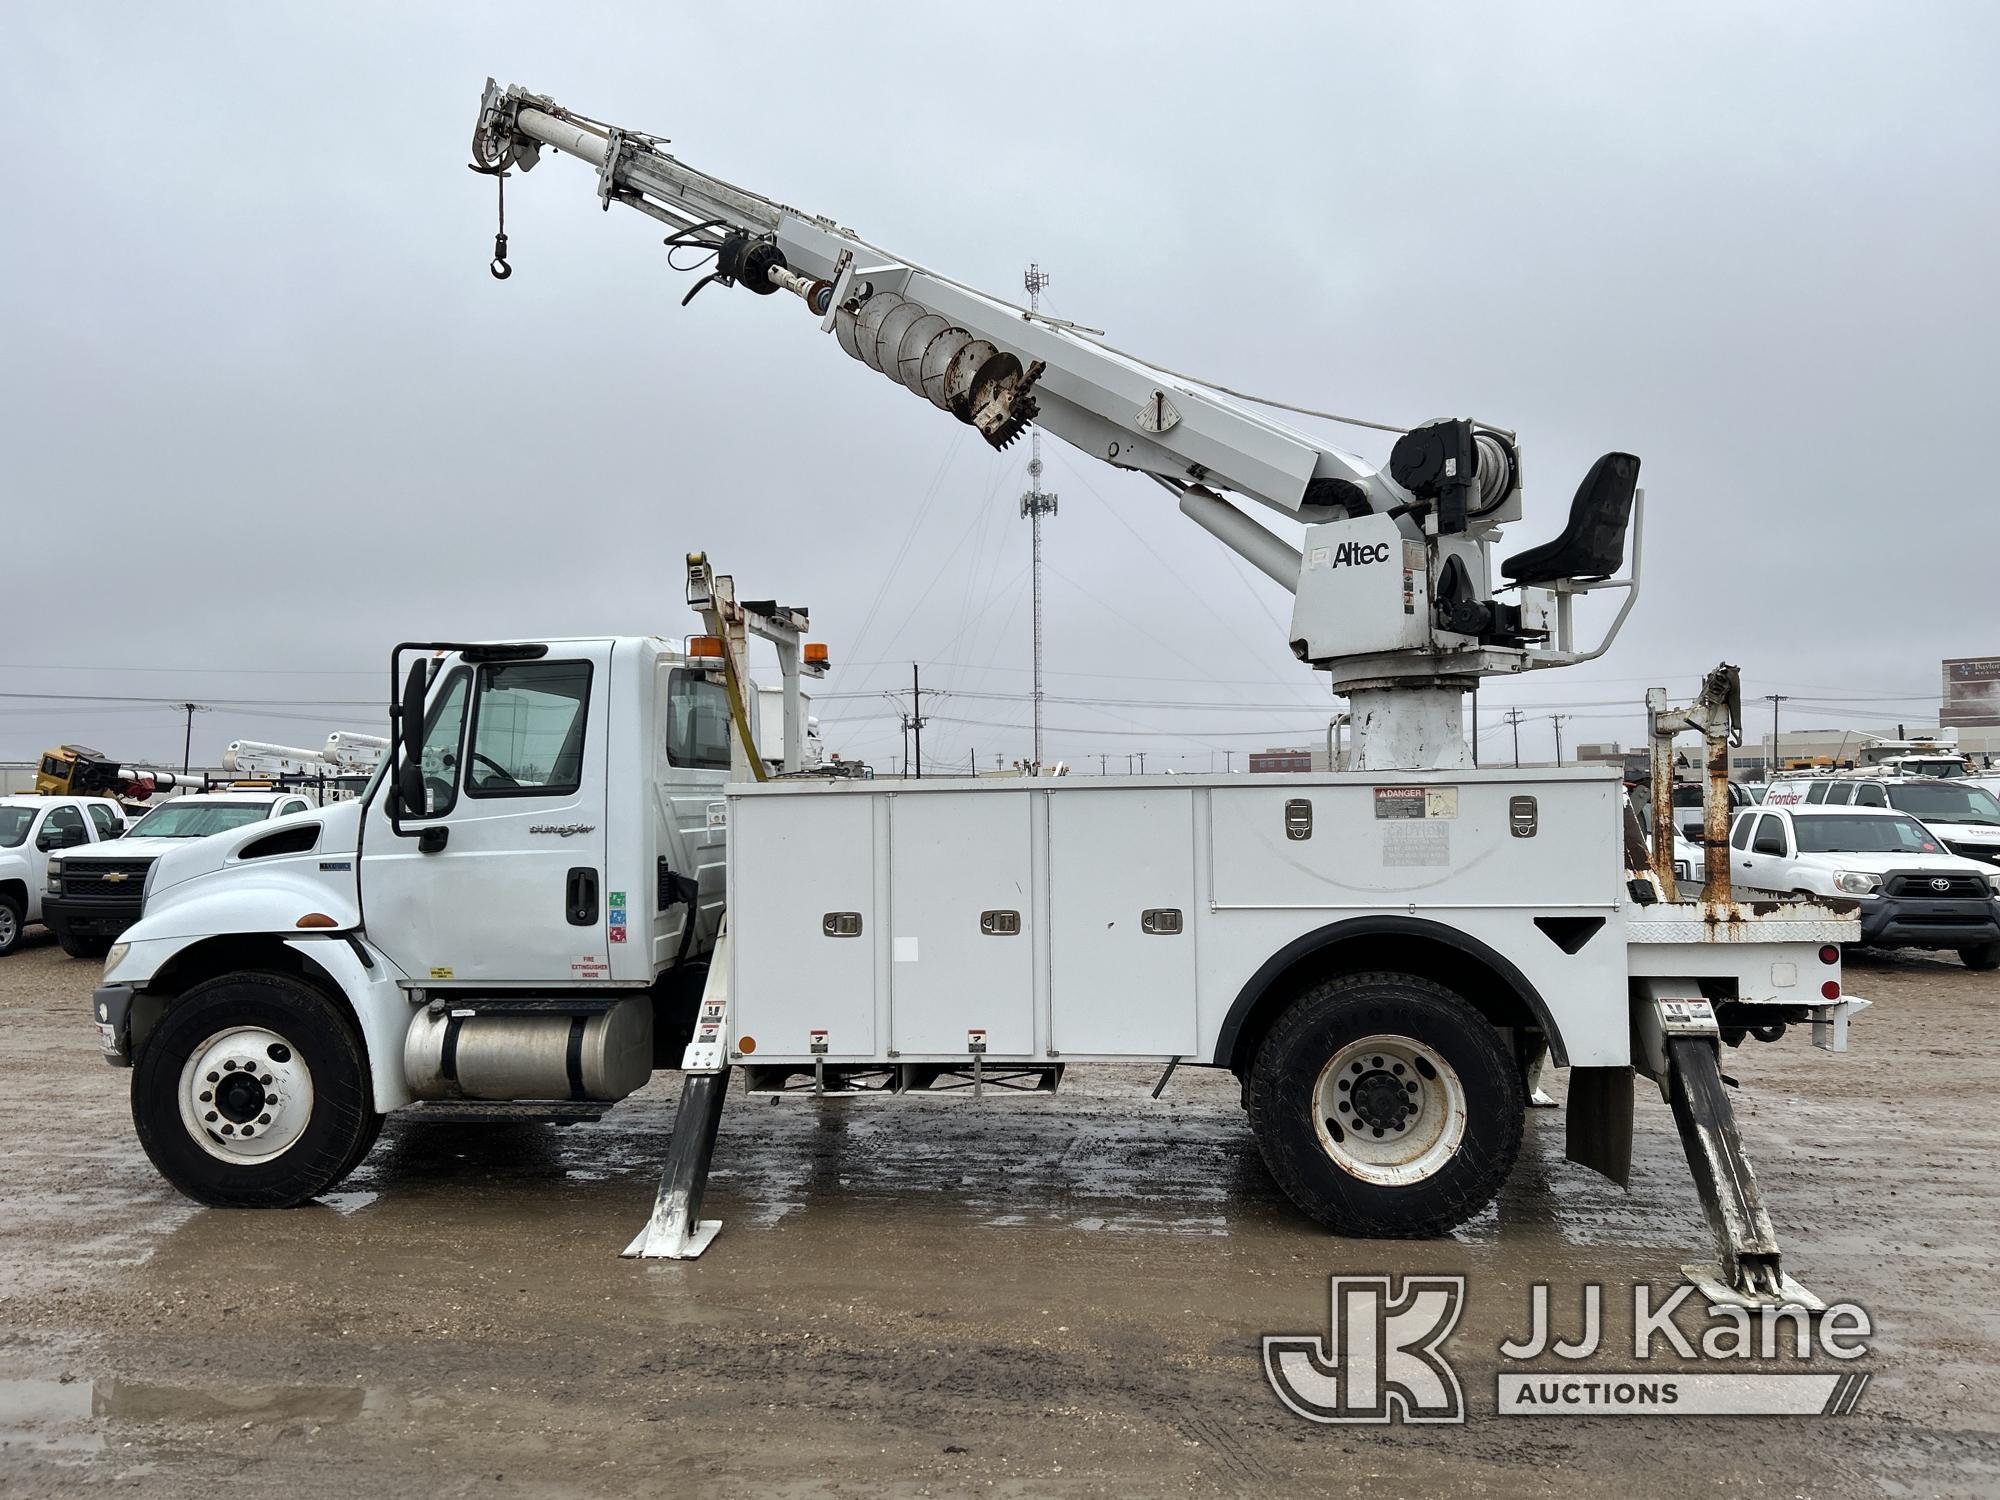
point(1946, 804)
point(14, 825)
point(197, 820)
point(1835, 833)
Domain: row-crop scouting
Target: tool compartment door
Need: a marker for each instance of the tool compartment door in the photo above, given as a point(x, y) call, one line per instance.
point(1114, 856)
point(797, 862)
point(956, 857)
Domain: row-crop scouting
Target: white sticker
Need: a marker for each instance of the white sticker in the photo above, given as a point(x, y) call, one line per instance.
point(906, 950)
point(1409, 845)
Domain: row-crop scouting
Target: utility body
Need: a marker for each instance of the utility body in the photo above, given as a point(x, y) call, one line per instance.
point(514, 917)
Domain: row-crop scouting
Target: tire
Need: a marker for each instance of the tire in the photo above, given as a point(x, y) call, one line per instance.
point(307, 1061)
point(83, 947)
point(13, 925)
point(1986, 956)
point(1359, 1041)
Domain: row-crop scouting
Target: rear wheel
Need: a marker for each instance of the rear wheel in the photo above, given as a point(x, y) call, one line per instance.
point(12, 921)
point(252, 1092)
point(1987, 956)
point(1386, 1106)
point(83, 947)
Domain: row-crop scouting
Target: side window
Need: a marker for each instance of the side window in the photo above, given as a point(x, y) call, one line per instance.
point(1841, 795)
point(1770, 836)
point(1741, 837)
point(697, 722)
point(61, 829)
point(441, 738)
point(294, 805)
point(105, 819)
point(1818, 792)
point(528, 729)
point(1870, 795)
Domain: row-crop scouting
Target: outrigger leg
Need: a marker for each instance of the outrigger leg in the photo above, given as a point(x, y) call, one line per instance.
point(677, 1230)
point(1680, 1046)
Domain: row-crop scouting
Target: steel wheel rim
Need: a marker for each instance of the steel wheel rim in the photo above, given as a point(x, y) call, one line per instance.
point(9, 926)
point(1389, 1110)
point(246, 1096)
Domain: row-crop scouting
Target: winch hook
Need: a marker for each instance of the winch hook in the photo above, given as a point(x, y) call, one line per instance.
point(498, 265)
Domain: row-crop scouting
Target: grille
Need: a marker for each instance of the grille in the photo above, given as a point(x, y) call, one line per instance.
point(1984, 853)
point(1923, 885)
point(119, 880)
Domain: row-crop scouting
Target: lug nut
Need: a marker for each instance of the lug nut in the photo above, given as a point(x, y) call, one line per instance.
point(231, 1130)
point(215, 1078)
point(230, 1066)
point(210, 1115)
point(206, 1095)
point(263, 1119)
point(1397, 1070)
point(249, 1129)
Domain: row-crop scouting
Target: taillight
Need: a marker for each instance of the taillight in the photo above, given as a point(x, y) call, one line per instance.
point(1831, 989)
point(1829, 954)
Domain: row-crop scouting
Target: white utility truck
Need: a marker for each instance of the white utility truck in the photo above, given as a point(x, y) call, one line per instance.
point(509, 919)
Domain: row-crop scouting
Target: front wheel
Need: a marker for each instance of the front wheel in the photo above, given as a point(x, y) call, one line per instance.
point(1385, 1106)
point(83, 947)
point(252, 1092)
point(1986, 956)
point(12, 921)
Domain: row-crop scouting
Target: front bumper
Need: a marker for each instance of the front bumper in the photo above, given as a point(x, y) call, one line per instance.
point(112, 1006)
point(1912, 922)
point(90, 919)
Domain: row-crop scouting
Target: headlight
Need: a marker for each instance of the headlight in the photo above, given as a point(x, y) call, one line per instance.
point(1856, 882)
point(55, 877)
point(114, 956)
point(1994, 881)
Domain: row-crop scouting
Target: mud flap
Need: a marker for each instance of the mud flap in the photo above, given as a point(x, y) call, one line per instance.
point(677, 1230)
point(1598, 1122)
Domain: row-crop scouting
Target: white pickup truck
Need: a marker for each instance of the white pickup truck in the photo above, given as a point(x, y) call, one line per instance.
point(31, 829)
point(95, 895)
point(1913, 892)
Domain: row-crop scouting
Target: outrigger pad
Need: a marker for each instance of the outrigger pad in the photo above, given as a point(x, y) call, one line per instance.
point(1592, 545)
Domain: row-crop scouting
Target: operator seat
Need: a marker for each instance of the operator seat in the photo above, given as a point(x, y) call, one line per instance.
point(1592, 545)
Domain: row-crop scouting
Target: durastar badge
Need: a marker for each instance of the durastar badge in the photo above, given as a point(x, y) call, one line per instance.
point(562, 830)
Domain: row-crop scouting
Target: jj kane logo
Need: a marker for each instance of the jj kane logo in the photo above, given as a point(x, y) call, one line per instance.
point(1383, 1361)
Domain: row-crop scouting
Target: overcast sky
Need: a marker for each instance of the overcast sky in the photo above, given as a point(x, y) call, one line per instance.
point(263, 412)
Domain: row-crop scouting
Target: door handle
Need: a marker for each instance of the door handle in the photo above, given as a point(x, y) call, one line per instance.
point(580, 897)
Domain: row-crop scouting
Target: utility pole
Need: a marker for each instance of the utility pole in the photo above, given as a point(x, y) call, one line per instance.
point(1034, 505)
point(1142, 763)
point(187, 741)
point(1229, 755)
point(1559, 720)
point(1514, 723)
point(1771, 765)
point(917, 718)
point(1101, 758)
point(1128, 763)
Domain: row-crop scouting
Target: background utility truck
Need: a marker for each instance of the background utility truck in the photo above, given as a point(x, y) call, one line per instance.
point(1384, 957)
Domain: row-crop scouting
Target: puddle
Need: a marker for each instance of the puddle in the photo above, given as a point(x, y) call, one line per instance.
point(347, 1203)
point(70, 1416)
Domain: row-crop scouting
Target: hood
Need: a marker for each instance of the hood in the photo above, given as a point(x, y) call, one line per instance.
point(126, 848)
point(205, 887)
point(1940, 863)
point(183, 859)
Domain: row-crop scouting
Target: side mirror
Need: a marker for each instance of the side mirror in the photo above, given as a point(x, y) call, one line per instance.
point(410, 742)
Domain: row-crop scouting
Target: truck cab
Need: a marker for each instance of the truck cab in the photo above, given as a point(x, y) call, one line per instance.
point(508, 934)
point(33, 832)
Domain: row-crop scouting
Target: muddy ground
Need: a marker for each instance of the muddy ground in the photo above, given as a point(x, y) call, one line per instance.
point(929, 1296)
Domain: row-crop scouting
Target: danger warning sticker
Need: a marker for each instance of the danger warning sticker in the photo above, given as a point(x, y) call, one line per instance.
point(1416, 802)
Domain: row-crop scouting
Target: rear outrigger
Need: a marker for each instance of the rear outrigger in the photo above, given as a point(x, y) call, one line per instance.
point(524, 913)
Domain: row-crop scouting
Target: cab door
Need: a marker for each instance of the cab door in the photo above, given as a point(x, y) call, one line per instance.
point(1763, 863)
point(500, 877)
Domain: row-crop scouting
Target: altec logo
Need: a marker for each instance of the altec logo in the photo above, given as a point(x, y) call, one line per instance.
point(1356, 554)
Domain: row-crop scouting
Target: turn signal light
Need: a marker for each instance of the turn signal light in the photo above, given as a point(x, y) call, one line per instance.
point(315, 919)
point(816, 653)
point(704, 645)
